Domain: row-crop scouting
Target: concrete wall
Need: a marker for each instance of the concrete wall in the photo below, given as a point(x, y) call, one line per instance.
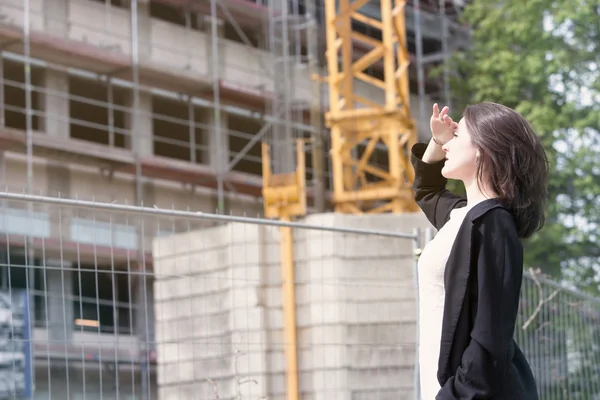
point(218, 311)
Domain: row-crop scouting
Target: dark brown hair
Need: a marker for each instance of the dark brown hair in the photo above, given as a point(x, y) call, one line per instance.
point(513, 159)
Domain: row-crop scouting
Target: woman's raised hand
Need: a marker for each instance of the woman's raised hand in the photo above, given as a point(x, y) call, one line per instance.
point(441, 124)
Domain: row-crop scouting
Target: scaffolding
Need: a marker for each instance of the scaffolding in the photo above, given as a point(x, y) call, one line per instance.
point(141, 80)
point(129, 152)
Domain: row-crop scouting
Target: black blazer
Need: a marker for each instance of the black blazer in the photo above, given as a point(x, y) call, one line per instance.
point(479, 358)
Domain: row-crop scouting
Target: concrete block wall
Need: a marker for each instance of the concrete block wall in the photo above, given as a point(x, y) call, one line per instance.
point(210, 321)
point(219, 316)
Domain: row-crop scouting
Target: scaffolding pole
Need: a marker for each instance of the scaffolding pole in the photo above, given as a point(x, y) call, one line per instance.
point(135, 137)
point(29, 251)
point(315, 109)
point(419, 59)
point(217, 106)
point(279, 46)
point(136, 145)
point(445, 53)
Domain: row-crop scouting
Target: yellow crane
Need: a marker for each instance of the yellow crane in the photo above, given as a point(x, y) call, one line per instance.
point(353, 120)
point(359, 124)
point(284, 197)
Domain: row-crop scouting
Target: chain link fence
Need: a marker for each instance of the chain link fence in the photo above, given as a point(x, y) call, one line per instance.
point(106, 301)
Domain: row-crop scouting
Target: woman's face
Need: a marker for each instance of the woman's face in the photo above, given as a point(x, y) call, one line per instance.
point(461, 155)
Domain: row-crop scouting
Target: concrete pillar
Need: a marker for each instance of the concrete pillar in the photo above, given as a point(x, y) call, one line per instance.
point(261, 40)
point(144, 326)
point(213, 152)
point(139, 124)
point(59, 283)
point(54, 121)
point(54, 104)
point(144, 27)
point(144, 316)
point(55, 16)
point(207, 25)
point(140, 137)
point(2, 94)
point(217, 157)
point(58, 185)
point(144, 31)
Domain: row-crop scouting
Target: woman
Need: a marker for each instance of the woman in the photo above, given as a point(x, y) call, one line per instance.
point(470, 273)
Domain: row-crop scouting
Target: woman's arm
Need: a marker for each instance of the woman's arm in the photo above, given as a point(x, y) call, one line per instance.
point(430, 186)
point(486, 360)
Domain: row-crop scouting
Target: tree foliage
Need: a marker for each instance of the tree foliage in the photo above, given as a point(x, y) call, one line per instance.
point(542, 57)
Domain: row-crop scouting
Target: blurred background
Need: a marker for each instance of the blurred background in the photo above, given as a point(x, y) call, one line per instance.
point(211, 199)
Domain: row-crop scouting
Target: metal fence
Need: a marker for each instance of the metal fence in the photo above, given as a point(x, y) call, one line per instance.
point(106, 301)
point(559, 331)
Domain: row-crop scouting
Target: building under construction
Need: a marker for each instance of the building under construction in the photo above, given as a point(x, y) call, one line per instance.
point(165, 103)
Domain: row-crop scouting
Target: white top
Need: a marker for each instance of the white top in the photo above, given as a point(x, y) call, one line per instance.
point(431, 267)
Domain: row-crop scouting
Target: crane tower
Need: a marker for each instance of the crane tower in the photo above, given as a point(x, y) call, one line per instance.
point(358, 125)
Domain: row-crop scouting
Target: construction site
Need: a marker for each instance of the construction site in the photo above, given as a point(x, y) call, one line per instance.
point(271, 109)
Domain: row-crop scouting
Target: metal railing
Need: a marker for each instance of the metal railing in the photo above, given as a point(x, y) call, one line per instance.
point(129, 302)
point(559, 332)
point(109, 301)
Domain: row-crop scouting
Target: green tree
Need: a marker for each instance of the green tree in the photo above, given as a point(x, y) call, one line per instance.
point(542, 57)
